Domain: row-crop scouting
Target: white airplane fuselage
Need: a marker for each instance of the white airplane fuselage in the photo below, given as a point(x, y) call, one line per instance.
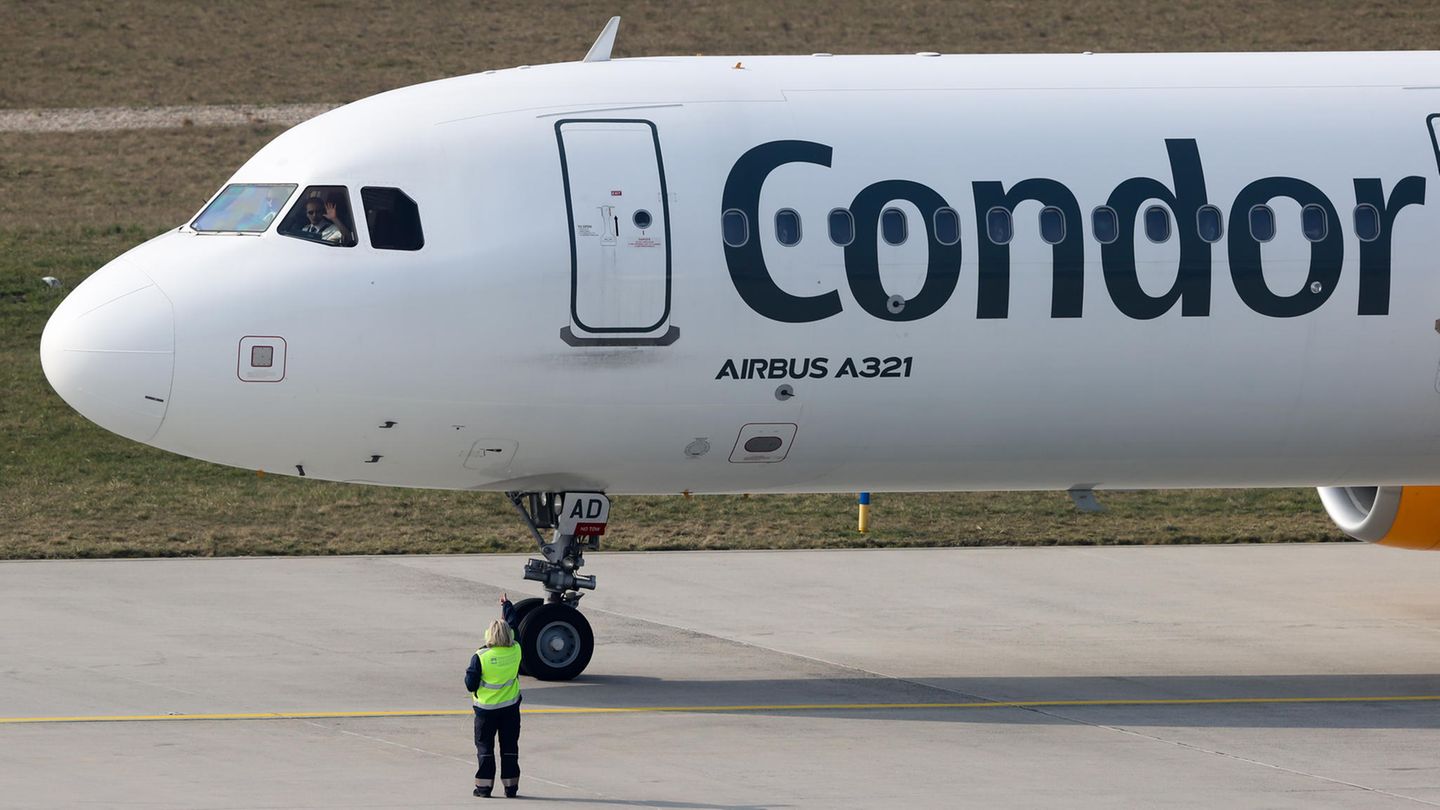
point(541, 340)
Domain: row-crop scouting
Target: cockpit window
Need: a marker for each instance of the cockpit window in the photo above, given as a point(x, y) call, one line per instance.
point(392, 218)
point(244, 207)
point(322, 215)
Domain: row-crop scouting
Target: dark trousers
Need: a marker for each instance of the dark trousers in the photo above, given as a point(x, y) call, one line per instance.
point(506, 723)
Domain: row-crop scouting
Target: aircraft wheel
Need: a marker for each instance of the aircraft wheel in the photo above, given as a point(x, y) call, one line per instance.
point(556, 642)
point(522, 609)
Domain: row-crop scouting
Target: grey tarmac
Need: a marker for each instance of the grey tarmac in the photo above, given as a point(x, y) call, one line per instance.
point(1161, 676)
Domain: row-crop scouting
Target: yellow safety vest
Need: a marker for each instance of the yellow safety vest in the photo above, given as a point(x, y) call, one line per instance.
point(499, 677)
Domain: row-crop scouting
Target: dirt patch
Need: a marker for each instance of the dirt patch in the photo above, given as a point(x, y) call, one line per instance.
point(107, 119)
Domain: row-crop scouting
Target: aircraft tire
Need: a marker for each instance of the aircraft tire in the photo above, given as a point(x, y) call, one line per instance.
point(522, 609)
point(556, 642)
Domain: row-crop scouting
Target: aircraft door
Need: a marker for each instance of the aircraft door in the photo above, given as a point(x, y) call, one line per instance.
point(619, 219)
point(1432, 123)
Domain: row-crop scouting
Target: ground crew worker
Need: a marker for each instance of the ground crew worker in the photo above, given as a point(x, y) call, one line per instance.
point(493, 680)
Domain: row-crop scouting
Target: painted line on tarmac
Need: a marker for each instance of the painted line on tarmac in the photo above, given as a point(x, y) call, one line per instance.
point(776, 707)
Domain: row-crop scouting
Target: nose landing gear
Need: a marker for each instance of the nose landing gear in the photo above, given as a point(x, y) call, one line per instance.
point(556, 641)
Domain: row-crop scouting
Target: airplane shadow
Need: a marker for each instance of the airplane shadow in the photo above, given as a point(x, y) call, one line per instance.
point(1233, 701)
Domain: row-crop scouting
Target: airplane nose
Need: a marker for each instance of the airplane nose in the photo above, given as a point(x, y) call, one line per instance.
point(109, 350)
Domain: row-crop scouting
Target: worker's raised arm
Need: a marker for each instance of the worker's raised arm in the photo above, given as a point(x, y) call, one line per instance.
point(507, 610)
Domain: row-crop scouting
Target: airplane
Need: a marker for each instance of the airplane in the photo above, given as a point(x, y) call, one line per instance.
point(806, 274)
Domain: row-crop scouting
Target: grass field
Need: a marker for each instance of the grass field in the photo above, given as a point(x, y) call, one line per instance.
point(70, 202)
point(60, 53)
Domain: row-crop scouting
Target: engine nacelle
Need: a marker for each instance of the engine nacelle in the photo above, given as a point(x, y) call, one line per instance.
point(1404, 517)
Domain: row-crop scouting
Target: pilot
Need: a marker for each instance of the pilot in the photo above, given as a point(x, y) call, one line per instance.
point(323, 223)
point(493, 681)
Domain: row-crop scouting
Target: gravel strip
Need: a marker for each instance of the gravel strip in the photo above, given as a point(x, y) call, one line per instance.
point(101, 119)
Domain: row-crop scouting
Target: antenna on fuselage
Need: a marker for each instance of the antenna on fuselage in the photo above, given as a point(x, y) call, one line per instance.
point(600, 51)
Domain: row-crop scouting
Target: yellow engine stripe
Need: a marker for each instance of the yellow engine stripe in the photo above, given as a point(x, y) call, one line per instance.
point(777, 707)
point(1417, 520)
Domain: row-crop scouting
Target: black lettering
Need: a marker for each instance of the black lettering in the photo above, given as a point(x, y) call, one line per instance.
point(1067, 264)
point(818, 368)
point(778, 368)
point(1192, 279)
point(847, 369)
point(746, 263)
point(1375, 255)
point(1247, 269)
point(862, 260)
point(728, 370)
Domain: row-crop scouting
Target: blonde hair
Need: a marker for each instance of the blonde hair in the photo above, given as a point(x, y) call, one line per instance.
point(498, 634)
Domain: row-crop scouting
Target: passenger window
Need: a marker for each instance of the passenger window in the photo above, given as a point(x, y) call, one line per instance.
point(734, 228)
point(1106, 225)
point(1052, 225)
point(1262, 223)
point(787, 227)
point(893, 227)
point(322, 215)
point(392, 218)
point(1313, 223)
point(998, 226)
point(842, 227)
point(1367, 222)
point(947, 226)
point(1209, 223)
point(1157, 223)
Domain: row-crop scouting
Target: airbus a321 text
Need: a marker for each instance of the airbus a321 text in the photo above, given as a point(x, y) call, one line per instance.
point(808, 274)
